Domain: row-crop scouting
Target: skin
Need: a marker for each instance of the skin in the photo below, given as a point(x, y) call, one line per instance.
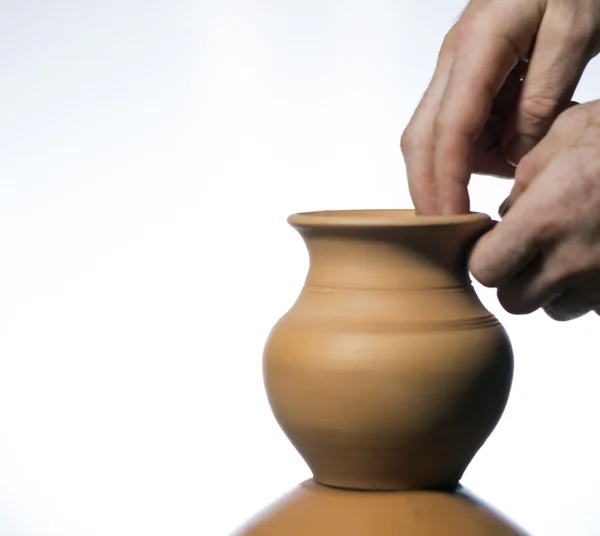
point(499, 103)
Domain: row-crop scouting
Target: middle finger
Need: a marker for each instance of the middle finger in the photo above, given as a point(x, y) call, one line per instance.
point(418, 139)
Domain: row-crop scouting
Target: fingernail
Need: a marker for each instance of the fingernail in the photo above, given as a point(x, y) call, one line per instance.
point(518, 148)
point(503, 208)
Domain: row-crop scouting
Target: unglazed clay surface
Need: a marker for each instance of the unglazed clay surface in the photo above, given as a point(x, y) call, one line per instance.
point(388, 373)
point(315, 510)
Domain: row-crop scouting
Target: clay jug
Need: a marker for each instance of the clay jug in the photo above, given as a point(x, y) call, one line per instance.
point(388, 373)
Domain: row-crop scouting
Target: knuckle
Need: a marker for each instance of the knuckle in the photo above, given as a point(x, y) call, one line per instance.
point(407, 140)
point(571, 21)
point(577, 116)
point(538, 108)
point(469, 22)
point(464, 30)
point(449, 41)
point(545, 228)
point(572, 261)
point(440, 125)
point(581, 32)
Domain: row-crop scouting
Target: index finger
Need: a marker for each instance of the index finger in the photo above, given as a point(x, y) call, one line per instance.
point(491, 40)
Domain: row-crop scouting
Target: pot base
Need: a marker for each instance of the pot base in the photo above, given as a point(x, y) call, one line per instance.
point(312, 509)
point(383, 470)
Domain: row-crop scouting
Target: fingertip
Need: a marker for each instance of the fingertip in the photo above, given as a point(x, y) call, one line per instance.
point(424, 202)
point(453, 198)
point(453, 157)
point(421, 185)
point(512, 301)
point(459, 203)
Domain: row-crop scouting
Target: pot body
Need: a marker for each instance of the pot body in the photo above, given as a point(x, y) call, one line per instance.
point(388, 373)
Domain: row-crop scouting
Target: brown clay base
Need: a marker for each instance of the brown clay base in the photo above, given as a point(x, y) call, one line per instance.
point(315, 510)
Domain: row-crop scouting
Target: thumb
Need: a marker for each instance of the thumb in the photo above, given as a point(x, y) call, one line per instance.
point(559, 57)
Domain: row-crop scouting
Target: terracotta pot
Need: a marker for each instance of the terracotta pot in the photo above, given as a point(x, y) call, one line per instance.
point(388, 373)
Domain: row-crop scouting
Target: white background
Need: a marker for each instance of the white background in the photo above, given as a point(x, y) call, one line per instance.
point(149, 155)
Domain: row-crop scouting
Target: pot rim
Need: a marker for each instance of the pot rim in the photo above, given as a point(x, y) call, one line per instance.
point(380, 218)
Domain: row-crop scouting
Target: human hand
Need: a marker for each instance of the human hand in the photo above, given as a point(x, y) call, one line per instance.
point(505, 71)
point(546, 250)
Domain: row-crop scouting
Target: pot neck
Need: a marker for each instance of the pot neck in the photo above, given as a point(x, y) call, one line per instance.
point(391, 258)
